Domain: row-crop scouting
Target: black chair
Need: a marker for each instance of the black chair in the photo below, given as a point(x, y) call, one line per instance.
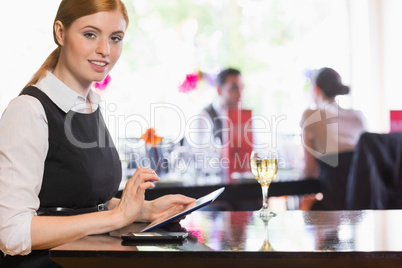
point(334, 170)
point(375, 179)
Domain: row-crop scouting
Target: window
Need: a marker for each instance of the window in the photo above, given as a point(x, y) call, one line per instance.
point(275, 43)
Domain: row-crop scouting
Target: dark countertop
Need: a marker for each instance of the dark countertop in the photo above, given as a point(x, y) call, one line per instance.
point(240, 239)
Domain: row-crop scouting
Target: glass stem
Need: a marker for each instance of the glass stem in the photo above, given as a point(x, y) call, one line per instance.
point(266, 230)
point(264, 196)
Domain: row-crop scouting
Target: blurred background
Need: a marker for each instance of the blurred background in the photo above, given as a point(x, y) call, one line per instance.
point(275, 43)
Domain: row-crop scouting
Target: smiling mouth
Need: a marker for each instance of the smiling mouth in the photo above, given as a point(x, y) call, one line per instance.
point(98, 63)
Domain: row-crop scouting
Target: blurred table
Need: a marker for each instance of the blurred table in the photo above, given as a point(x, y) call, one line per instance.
point(240, 239)
point(242, 193)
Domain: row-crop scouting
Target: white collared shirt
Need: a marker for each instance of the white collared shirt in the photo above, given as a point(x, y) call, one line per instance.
point(23, 149)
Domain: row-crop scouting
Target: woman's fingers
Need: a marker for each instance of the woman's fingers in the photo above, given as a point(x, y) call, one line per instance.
point(146, 185)
point(144, 169)
point(143, 174)
point(142, 179)
point(183, 199)
point(133, 196)
point(169, 205)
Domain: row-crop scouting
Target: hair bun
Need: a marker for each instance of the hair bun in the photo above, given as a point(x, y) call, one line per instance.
point(343, 90)
point(330, 83)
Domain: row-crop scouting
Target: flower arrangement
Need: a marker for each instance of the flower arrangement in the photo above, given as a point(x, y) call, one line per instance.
point(192, 81)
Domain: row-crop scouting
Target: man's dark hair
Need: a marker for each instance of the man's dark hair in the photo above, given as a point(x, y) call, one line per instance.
point(221, 78)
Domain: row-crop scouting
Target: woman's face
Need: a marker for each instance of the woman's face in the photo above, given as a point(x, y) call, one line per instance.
point(90, 47)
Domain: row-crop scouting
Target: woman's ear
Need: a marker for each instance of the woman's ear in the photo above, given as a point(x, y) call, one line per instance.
point(316, 94)
point(316, 90)
point(59, 32)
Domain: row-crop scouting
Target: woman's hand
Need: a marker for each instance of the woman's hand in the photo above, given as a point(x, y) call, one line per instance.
point(164, 206)
point(132, 199)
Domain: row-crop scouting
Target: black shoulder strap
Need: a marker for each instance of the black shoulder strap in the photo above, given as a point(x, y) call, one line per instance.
point(211, 112)
point(217, 122)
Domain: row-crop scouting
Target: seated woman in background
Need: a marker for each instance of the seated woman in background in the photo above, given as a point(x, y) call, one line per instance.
point(330, 135)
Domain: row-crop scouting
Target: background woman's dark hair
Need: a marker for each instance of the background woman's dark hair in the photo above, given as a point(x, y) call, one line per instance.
point(68, 12)
point(330, 82)
point(221, 78)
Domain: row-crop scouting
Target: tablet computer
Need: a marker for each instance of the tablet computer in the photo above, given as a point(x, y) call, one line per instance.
point(200, 202)
point(154, 236)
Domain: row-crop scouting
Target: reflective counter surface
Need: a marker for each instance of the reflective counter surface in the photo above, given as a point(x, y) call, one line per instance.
point(240, 239)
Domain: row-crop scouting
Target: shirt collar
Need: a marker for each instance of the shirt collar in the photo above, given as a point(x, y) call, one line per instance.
point(63, 96)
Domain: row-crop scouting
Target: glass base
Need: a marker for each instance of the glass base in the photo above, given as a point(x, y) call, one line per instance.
point(266, 247)
point(265, 213)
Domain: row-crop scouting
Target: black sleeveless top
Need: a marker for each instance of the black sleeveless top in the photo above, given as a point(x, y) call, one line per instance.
point(82, 167)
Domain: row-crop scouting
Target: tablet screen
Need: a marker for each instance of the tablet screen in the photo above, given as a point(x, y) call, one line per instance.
point(200, 202)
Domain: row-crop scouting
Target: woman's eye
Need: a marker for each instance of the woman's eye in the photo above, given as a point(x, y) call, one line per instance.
point(116, 39)
point(89, 35)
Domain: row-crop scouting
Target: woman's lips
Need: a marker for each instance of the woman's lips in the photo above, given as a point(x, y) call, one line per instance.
point(98, 66)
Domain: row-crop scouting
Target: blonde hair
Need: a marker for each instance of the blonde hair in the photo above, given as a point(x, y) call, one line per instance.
point(68, 12)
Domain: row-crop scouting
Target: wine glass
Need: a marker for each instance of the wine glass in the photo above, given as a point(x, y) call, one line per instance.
point(264, 165)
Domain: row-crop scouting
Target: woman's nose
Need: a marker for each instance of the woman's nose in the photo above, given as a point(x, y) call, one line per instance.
point(103, 48)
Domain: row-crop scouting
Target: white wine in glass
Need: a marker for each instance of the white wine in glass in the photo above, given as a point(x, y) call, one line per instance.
point(264, 165)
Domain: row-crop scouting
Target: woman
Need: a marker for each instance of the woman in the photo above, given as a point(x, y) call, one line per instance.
point(56, 155)
point(330, 135)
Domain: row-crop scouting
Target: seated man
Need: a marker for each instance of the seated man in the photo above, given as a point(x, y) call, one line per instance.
point(223, 130)
point(212, 118)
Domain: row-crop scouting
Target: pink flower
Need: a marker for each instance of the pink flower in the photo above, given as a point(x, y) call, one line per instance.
point(190, 83)
point(103, 84)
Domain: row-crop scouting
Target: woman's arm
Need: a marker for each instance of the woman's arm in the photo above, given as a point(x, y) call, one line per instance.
point(151, 210)
point(23, 149)
point(48, 232)
point(112, 203)
point(311, 169)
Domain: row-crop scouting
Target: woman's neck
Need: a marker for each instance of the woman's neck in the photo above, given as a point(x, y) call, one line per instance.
point(81, 87)
point(322, 100)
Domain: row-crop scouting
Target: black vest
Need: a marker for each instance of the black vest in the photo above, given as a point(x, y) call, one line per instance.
point(217, 122)
point(82, 167)
point(74, 177)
